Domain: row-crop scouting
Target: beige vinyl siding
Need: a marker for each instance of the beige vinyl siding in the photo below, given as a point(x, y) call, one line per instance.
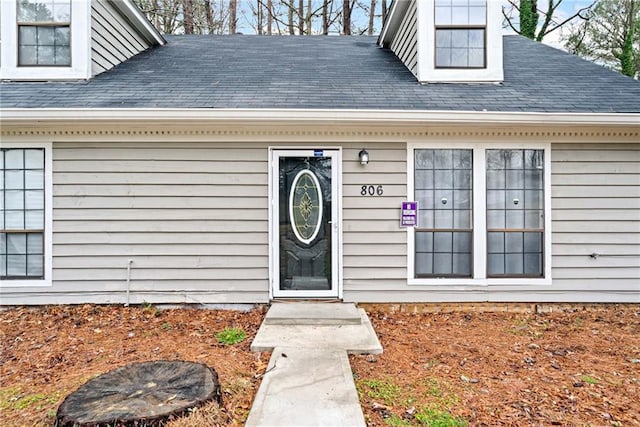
point(113, 39)
point(192, 217)
point(596, 210)
point(405, 42)
point(374, 245)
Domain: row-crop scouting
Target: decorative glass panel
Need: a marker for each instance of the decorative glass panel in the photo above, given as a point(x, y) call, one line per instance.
point(305, 206)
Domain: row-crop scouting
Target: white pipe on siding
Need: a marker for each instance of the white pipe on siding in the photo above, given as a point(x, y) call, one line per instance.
point(129, 262)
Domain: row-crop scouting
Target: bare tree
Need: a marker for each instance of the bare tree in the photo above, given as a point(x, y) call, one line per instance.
point(372, 16)
point(302, 17)
point(384, 11)
point(187, 13)
point(233, 16)
point(346, 17)
point(269, 17)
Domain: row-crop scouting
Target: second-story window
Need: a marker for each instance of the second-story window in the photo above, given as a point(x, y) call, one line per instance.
point(44, 32)
point(460, 33)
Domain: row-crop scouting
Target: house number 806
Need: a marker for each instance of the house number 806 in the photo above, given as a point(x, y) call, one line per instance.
point(370, 190)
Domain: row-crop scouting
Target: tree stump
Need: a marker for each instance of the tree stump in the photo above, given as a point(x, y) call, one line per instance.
point(140, 394)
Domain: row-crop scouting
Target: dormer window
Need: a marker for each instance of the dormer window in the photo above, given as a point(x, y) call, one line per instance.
point(447, 40)
point(45, 39)
point(460, 27)
point(44, 28)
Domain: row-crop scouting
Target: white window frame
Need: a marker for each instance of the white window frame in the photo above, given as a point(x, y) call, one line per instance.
point(427, 71)
point(80, 30)
point(479, 272)
point(48, 216)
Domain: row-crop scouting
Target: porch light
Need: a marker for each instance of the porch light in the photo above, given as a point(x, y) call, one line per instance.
point(364, 156)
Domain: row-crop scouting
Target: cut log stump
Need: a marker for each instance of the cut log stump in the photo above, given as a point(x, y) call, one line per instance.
point(140, 394)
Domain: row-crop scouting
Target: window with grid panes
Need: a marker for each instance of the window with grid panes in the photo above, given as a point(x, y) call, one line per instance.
point(44, 32)
point(22, 213)
point(515, 213)
point(443, 189)
point(460, 40)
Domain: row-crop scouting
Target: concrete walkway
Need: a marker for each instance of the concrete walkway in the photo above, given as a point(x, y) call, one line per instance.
point(308, 381)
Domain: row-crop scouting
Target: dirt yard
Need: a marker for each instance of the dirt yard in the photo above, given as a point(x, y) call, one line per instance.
point(445, 369)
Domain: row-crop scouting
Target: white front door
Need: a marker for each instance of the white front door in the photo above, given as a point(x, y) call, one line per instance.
point(305, 223)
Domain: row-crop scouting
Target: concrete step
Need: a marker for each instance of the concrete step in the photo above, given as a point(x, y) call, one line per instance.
point(353, 338)
point(312, 314)
point(292, 394)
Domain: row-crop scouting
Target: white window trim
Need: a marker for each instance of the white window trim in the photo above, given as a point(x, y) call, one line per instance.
point(479, 215)
point(80, 46)
point(427, 71)
point(48, 216)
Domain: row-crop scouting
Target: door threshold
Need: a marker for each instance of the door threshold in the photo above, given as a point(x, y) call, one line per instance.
point(328, 300)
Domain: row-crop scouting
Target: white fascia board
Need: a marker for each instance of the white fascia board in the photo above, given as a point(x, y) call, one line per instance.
point(393, 21)
point(138, 20)
point(76, 116)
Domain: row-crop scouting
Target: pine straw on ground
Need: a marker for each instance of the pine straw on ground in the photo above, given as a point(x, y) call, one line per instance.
point(579, 368)
point(571, 368)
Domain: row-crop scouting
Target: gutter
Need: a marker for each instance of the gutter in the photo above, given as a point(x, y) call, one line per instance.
point(378, 118)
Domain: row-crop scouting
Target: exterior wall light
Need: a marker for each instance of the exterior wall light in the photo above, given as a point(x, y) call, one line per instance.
point(364, 156)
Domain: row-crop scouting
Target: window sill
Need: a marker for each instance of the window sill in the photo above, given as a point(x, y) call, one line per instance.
point(25, 283)
point(40, 73)
point(479, 282)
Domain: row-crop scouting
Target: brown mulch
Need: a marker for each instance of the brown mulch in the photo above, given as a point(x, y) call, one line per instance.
point(570, 368)
point(573, 368)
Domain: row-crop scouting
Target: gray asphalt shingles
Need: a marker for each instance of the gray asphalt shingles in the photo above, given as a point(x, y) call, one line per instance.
point(327, 72)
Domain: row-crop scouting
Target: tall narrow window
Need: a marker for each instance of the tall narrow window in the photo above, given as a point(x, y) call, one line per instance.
point(44, 32)
point(460, 33)
point(515, 213)
point(443, 189)
point(22, 204)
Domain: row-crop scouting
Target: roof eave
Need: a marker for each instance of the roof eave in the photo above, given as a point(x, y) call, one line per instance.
point(392, 23)
point(137, 18)
point(79, 116)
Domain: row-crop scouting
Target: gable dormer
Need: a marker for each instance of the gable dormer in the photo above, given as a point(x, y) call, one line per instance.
point(446, 40)
point(70, 39)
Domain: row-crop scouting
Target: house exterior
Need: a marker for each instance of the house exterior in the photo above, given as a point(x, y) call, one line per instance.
point(240, 169)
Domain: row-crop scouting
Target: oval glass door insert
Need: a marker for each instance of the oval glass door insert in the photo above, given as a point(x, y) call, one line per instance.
point(305, 206)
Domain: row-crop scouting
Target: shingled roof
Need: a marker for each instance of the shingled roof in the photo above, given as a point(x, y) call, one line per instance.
point(258, 72)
